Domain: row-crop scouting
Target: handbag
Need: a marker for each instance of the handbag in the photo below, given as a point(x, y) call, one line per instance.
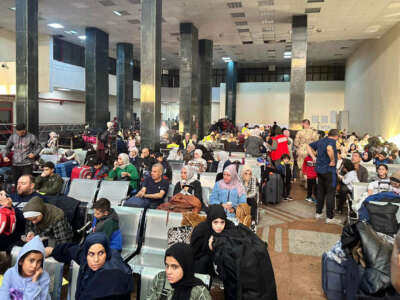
point(179, 234)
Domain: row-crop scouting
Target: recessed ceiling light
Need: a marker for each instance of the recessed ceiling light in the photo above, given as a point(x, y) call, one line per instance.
point(55, 25)
point(12, 8)
point(163, 59)
point(82, 37)
point(121, 13)
point(117, 12)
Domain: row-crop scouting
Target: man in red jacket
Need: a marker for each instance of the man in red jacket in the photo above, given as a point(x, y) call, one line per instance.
point(279, 146)
point(311, 175)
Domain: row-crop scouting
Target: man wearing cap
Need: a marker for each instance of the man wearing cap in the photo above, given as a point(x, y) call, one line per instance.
point(26, 147)
point(49, 183)
point(324, 153)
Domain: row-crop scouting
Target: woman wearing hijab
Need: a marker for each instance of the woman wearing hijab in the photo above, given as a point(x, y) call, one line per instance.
point(46, 220)
point(367, 156)
point(189, 183)
point(102, 274)
point(203, 235)
point(177, 282)
point(223, 161)
point(124, 170)
point(229, 191)
point(250, 185)
point(198, 162)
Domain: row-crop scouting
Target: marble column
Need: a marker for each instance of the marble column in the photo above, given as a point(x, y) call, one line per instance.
point(230, 94)
point(27, 84)
point(124, 83)
point(150, 74)
point(189, 112)
point(298, 71)
point(96, 76)
point(205, 62)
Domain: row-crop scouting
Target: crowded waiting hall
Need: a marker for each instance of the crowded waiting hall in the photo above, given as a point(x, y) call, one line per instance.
point(199, 150)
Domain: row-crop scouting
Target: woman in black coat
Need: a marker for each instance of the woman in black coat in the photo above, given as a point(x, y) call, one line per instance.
point(103, 275)
point(189, 184)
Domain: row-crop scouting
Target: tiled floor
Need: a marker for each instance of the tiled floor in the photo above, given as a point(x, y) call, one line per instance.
point(296, 243)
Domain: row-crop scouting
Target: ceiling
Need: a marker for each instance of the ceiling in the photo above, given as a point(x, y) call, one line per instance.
point(333, 33)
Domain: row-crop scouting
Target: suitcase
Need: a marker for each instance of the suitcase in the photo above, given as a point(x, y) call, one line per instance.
point(65, 169)
point(80, 172)
point(273, 189)
point(333, 279)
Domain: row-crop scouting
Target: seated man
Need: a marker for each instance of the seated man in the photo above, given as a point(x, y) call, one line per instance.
point(381, 158)
point(105, 219)
point(167, 173)
point(146, 161)
point(25, 189)
point(8, 241)
point(154, 189)
point(49, 183)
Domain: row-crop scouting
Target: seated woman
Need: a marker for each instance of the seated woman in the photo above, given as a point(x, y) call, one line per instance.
point(222, 162)
point(189, 183)
point(123, 170)
point(229, 191)
point(381, 183)
point(134, 158)
point(102, 273)
point(177, 281)
point(46, 220)
point(250, 185)
point(198, 163)
point(347, 180)
point(202, 237)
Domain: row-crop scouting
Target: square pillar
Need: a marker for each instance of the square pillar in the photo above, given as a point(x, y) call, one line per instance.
point(27, 84)
point(96, 78)
point(124, 83)
point(205, 65)
point(230, 93)
point(189, 112)
point(150, 74)
point(298, 71)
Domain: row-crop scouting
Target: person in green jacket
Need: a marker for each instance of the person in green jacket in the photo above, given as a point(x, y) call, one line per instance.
point(49, 183)
point(123, 170)
point(177, 282)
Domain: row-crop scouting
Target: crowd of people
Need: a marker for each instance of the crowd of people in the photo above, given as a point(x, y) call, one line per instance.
point(326, 164)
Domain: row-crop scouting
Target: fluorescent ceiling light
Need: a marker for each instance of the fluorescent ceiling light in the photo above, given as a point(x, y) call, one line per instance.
point(71, 32)
point(82, 37)
point(55, 25)
point(117, 13)
point(63, 89)
point(12, 8)
point(226, 59)
point(163, 59)
point(287, 53)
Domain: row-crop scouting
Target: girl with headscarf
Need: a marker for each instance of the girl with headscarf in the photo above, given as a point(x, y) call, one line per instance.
point(250, 185)
point(124, 170)
point(46, 220)
point(367, 156)
point(188, 183)
point(102, 273)
point(198, 162)
point(177, 282)
point(229, 191)
point(205, 232)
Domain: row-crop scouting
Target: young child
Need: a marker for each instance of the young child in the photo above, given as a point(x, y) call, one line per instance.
point(26, 279)
point(106, 220)
point(309, 171)
point(285, 168)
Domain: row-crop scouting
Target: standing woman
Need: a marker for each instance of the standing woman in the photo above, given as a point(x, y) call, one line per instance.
point(102, 272)
point(250, 185)
point(177, 282)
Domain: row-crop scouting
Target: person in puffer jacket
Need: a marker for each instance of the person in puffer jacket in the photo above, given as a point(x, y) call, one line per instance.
point(106, 220)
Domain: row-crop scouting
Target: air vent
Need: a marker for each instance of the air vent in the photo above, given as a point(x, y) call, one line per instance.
point(134, 21)
point(244, 30)
point(315, 1)
point(134, 1)
point(218, 49)
point(106, 3)
point(175, 34)
point(234, 4)
point(241, 23)
point(343, 48)
point(268, 29)
point(265, 3)
point(338, 54)
point(123, 13)
point(271, 50)
point(238, 15)
point(313, 10)
point(247, 42)
point(267, 42)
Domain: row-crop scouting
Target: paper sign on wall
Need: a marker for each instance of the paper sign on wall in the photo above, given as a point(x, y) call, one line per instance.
point(315, 119)
point(324, 119)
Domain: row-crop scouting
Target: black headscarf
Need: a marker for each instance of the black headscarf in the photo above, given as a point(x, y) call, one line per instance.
point(184, 255)
point(202, 233)
point(369, 156)
point(97, 238)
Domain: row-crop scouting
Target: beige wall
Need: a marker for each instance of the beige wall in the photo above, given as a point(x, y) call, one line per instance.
point(372, 86)
point(266, 102)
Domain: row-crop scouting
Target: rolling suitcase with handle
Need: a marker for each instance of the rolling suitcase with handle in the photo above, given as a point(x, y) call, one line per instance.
point(273, 189)
point(333, 279)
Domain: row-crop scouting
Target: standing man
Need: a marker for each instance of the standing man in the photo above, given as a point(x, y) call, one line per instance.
point(325, 154)
point(303, 138)
point(26, 148)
